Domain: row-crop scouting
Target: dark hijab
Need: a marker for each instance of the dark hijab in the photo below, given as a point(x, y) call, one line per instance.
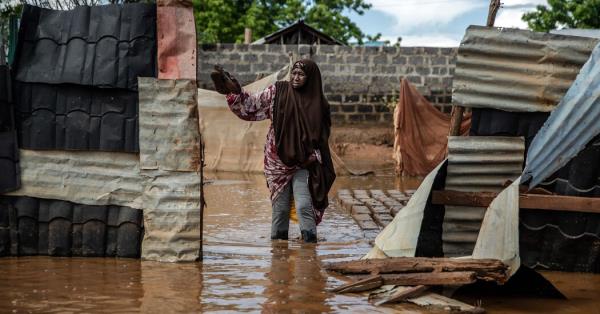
point(302, 123)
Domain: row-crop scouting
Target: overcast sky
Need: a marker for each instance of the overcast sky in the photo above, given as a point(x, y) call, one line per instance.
point(439, 23)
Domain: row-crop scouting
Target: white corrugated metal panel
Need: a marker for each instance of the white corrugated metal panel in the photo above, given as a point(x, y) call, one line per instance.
point(476, 164)
point(169, 136)
point(516, 70)
point(91, 178)
point(172, 193)
point(570, 127)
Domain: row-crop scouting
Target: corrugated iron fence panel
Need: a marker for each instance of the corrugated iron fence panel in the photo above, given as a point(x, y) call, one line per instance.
point(169, 135)
point(92, 178)
point(476, 164)
point(570, 127)
point(36, 226)
point(170, 161)
point(516, 70)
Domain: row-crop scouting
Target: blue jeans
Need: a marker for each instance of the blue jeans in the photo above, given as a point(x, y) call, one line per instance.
point(281, 209)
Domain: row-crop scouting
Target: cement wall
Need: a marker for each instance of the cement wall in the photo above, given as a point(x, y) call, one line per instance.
point(358, 81)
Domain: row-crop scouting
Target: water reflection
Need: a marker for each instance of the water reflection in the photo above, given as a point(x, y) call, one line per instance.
point(242, 270)
point(295, 280)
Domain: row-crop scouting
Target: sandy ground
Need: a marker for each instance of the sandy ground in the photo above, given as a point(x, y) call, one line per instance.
point(365, 147)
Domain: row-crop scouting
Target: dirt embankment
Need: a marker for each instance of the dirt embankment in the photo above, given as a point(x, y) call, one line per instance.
point(365, 147)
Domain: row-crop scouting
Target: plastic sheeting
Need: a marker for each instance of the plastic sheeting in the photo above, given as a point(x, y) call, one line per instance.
point(401, 236)
point(572, 125)
point(232, 144)
point(177, 43)
point(420, 132)
point(499, 234)
point(103, 46)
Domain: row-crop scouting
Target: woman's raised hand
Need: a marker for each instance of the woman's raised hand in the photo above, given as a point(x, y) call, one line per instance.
point(224, 82)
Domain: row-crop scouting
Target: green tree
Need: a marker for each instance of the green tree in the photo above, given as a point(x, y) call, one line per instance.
point(564, 13)
point(225, 20)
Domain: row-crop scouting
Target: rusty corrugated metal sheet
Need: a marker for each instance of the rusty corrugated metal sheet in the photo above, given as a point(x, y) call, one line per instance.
point(570, 127)
point(476, 164)
point(169, 135)
point(170, 160)
point(516, 70)
point(177, 43)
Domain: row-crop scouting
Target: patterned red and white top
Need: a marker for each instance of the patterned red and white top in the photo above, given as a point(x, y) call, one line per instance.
point(257, 107)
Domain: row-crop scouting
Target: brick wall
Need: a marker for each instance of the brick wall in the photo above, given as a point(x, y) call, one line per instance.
point(358, 81)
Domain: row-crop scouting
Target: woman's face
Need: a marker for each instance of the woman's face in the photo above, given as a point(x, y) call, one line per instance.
point(298, 78)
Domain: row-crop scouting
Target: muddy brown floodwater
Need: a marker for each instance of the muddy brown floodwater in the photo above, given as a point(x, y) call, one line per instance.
point(242, 270)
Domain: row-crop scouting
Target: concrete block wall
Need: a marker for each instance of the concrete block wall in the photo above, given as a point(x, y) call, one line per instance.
point(359, 82)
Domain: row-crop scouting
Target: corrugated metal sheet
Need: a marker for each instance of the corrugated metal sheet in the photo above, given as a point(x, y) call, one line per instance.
point(104, 46)
point(476, 164)
point(9, 153)
point(92, 178)
point(76, 117)
point(177, 43)
point(170, 141)
point(34, 226)
point(572, 125)
point(10, 177)
point(172, 209)
point(516, 70)
point(169, 134)
point(592, 33)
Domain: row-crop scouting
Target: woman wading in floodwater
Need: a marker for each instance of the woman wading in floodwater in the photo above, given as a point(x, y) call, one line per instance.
point(297, 159)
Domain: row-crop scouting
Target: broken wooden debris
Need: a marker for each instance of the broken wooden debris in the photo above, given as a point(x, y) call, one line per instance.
point(366, 284)
point(402, 294)
point(484, 269)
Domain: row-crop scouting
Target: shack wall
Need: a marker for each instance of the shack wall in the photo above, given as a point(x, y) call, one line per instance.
point(358, 81)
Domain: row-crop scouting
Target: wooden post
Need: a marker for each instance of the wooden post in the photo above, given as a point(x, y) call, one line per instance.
point(458, 111)
point(247, 35)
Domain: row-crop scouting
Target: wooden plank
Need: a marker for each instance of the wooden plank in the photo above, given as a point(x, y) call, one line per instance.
point(485, 269)
point(529, 201)
point(369, 283)
point(431, 279)
point(403, 294)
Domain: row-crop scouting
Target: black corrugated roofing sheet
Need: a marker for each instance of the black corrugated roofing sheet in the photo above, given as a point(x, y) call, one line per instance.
point(75, 117)
point(556, 240)
point(9, 153)
point(34, 226)
point(104, 46)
